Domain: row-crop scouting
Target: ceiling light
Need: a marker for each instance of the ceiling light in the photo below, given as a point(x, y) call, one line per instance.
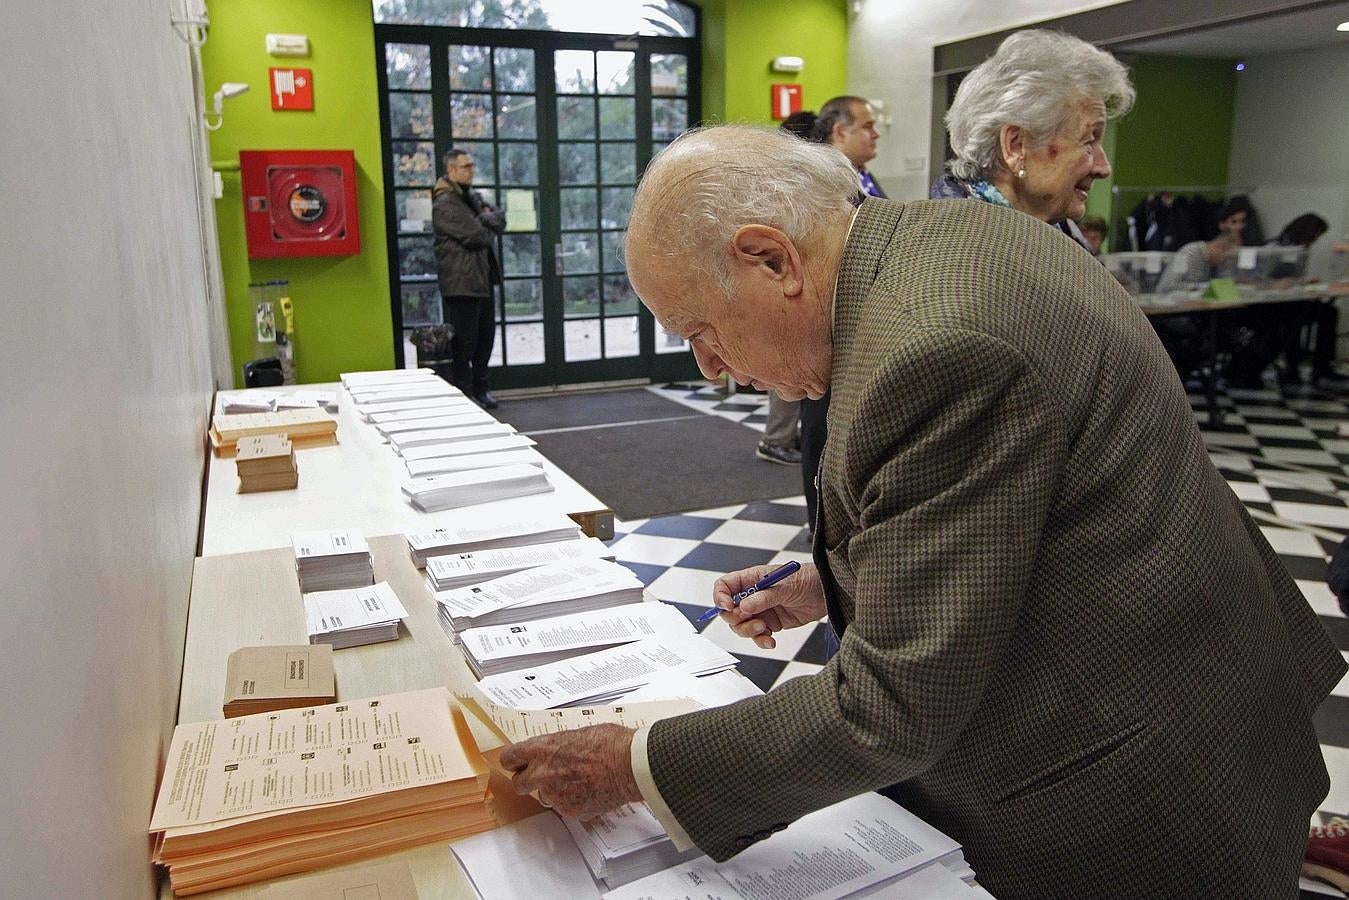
point(1343, 26)
point(1241, 67)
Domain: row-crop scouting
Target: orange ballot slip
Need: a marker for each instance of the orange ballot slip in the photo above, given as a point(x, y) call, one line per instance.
point(290, 791)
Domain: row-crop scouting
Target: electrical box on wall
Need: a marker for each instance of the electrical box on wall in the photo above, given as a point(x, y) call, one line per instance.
point(300, 203)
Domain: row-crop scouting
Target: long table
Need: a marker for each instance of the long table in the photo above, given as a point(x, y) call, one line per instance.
point(357, 484)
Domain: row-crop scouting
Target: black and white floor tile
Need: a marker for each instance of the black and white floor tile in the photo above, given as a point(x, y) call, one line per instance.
point(1282, 454)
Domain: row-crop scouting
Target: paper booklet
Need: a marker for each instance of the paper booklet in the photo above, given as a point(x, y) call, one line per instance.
point(350, 618)
point(403, 440)
point(433, 493)
point(468, 448)
point(505, 648)
point(432, 422)
point(485, 532)
point(570, 586)
point(455, 570)
point(604, 676)
point(859, 845)
point(420, 468)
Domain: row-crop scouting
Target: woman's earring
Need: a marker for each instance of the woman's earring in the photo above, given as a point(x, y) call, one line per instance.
point(1021, 173)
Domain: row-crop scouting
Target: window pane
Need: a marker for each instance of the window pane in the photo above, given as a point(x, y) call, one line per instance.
point(616, 205)
point(582, 339)
point(578, 208)
point(616, 73)
point(581, 296)
point(576, 163)
point(413, 210)
point(618, 163)
point(611, 243)
point(408, 66)
point(421, 305)
point(410, 116)
point(669, 74)
point(619, 297)
point(524, 299)
point(580, 253)
point(620, 337)
point(471, 115)
point(575, 117)
point(415, 257)
point(618, 117)
point(657, 146)
point(575, 71)
point(484, 160)
point(515, 116)
point(669, 343)
point(520, 255)
point(470, 68)
point(519, 163)
point(413, 164)
point(522, 209)
point(514, 69)
point(524, 343)
point(660, 18)
point(669, 119)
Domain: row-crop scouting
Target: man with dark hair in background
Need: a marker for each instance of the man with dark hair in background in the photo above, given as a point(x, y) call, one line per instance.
point(465, 228)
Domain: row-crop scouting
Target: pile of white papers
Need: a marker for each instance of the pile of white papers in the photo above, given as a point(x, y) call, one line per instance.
point(444, 573)
point(247, 402)
point(625, 844)
point(575, 585)
point(469, 448)
point(330, 560)
point(505, 648)
point(353, 617)
point(437, 419)
point(864, 847)
point(485, 534)
point(606, 675)
point(442, 465)
point(403, 440)
point(436, 492)
point(438, 405)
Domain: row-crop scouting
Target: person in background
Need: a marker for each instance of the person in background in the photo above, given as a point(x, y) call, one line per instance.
point(1094, 232)
point(466, 228)
point(1302, 232)
point(1199, 261)
point(781, 442)
point(1026, 127)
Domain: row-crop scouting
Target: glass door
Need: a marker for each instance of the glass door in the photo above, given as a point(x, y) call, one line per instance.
point(560, 126)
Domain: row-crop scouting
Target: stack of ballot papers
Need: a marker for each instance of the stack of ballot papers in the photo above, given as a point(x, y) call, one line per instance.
point(468, 448)
point(625, 844)
point(330, 560)
point(266, 463)
point(262, 796)
point(353, 617)
point(605, 675)
point(505, 648)
point(444, 573)
point(393, 423)
point(487, 533)
point(310, 427)
point(405, 440)
point(262, 679)
point(432, 493)
point(269, 401)
point(444, 465)
point(436, 405)
point(868, 846)
point(574, 585)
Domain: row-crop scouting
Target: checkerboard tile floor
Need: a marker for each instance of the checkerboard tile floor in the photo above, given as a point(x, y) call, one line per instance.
point(1282, 454)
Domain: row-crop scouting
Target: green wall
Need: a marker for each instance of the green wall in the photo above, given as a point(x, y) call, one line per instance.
point(342, 317)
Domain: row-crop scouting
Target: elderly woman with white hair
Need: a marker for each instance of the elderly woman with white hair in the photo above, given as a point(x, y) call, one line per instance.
point(1027, 123)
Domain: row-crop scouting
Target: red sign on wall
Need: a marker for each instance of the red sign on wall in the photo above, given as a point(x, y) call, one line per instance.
point(291, 88)
point(786, 100)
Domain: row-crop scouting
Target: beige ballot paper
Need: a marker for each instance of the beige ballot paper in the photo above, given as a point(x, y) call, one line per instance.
point(854, 846)
point(515, 725)
point(387, 881)
point(273, 762)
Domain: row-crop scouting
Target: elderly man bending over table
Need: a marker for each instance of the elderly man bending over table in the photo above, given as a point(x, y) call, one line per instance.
point(1063, 640)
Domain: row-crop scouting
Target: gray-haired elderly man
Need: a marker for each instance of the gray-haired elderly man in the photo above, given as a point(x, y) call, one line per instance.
point(1062, 639)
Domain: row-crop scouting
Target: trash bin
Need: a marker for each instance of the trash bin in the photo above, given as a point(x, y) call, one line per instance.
point(433, 347)
point(265, 372)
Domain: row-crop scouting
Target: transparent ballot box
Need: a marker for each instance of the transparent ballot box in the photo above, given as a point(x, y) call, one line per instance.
point(1266, 266)
point(1139, 272)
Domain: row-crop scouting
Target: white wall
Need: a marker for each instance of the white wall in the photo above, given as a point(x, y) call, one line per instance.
point(890, 58)
point(104, 384)
point(1290, 139)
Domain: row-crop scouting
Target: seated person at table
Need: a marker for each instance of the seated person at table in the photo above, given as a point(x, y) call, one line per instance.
point(1198, 261)
point(1095, 231)
point(1303, 232)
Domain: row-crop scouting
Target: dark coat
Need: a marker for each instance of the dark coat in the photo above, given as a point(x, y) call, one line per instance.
point(465, 232)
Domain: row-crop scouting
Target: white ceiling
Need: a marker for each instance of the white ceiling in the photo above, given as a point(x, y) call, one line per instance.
point(1274, 34)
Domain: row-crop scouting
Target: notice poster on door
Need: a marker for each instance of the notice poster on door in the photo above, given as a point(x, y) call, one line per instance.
point(520, 212)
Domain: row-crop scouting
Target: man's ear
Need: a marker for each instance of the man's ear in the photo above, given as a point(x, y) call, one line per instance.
point(768, 252)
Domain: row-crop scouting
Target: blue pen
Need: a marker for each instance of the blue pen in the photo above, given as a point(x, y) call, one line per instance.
point(767, 581)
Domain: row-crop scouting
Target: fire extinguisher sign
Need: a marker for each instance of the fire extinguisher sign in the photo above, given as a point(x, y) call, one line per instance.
point(292, 88)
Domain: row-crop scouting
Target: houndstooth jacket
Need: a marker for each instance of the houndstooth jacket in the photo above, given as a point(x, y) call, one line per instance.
point(1063, 641)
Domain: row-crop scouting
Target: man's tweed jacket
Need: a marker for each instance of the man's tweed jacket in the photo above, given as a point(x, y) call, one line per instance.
point(1063, 641)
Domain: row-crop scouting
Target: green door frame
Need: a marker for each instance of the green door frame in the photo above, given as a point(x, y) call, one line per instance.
point(554, 370)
